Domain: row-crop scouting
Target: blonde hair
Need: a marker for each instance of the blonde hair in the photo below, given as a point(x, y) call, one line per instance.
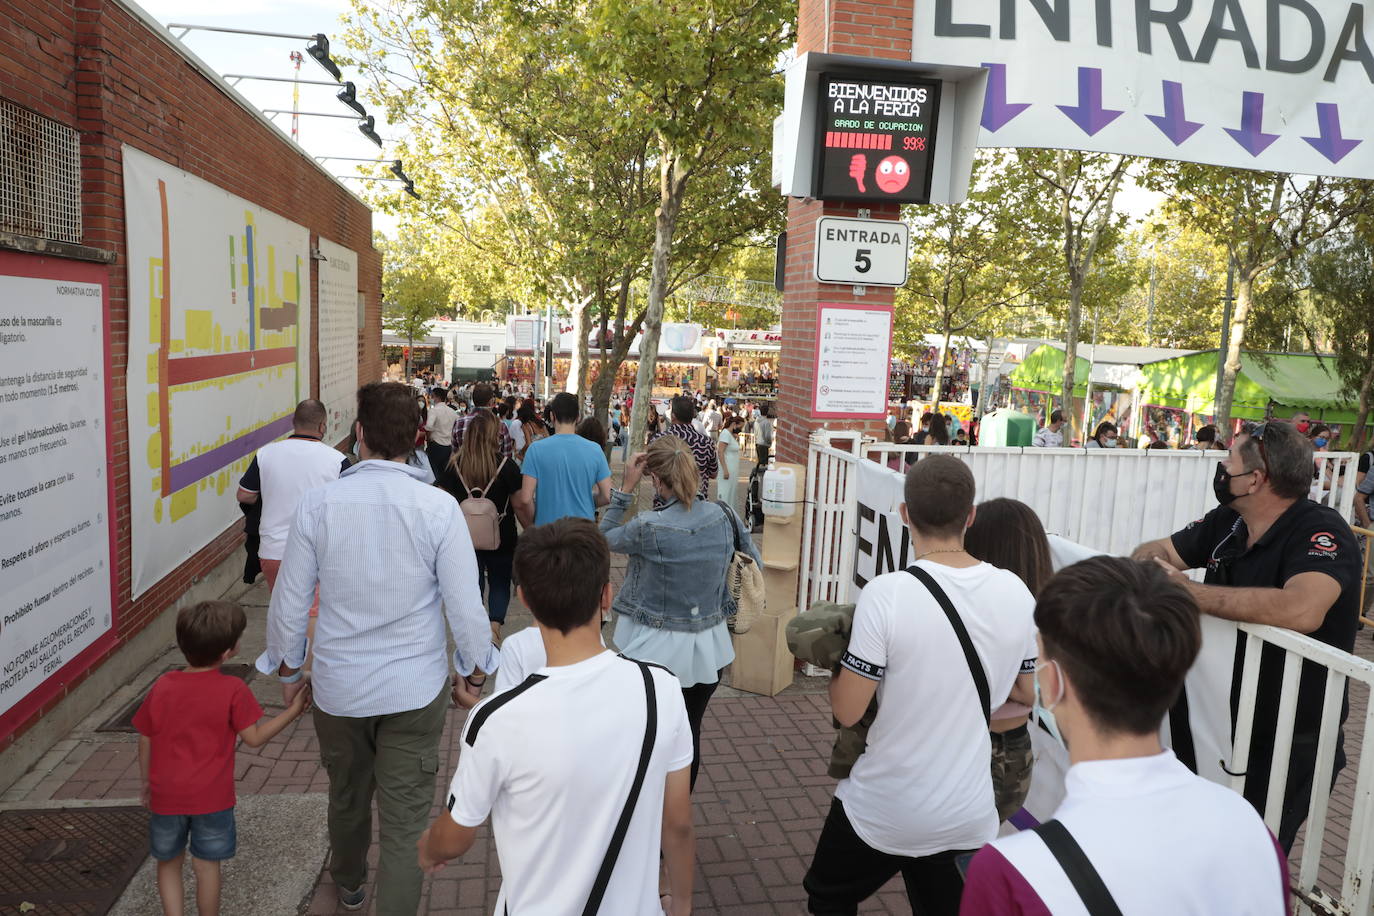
point(670, 460)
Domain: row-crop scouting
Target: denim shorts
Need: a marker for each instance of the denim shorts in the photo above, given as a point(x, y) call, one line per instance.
point(213, 837)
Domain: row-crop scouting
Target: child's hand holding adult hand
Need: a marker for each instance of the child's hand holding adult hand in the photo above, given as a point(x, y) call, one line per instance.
point(291, 692)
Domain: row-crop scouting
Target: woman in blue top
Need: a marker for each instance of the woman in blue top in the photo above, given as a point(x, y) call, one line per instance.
point(673, 607)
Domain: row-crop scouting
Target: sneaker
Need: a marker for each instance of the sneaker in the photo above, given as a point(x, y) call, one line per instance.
point(352, 900)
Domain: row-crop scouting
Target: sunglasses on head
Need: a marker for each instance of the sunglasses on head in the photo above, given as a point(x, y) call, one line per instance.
point(1256, 431)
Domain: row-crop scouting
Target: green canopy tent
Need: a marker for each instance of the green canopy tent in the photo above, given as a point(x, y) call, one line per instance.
point(1268, 384)
point(1043, 370)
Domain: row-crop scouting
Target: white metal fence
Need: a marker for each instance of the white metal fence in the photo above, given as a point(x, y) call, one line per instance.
point(1112, 501)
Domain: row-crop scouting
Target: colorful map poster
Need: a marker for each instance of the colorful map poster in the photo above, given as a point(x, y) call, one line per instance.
point(218, 295)
point(337, 305)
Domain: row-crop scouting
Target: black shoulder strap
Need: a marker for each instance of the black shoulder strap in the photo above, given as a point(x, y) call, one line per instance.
point(734, 528)
point(603, 875)
point(1084, 878)
point(975, 667)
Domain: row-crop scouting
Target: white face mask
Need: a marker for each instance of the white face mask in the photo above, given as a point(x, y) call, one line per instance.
point(1045, 713)
point(1109, 443)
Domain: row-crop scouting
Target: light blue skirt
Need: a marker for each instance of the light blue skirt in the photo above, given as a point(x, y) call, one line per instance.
point(695, 658)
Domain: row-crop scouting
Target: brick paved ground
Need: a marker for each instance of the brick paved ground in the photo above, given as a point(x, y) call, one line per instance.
point(759, 803)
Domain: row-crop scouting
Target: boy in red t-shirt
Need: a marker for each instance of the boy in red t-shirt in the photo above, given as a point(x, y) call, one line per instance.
point(187, 729)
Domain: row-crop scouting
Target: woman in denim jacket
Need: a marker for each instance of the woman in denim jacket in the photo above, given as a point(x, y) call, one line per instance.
point(673, 606)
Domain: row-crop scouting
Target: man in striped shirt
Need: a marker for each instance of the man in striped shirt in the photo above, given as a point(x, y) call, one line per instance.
point(482, 394)
point(703, 449)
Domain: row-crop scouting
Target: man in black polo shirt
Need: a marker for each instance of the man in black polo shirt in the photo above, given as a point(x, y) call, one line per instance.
point(1275, 557)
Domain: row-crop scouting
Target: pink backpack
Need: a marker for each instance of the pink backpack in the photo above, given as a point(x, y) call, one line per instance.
point(484, 521)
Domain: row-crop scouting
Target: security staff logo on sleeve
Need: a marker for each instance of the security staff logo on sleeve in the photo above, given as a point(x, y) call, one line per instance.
point(1323, 545)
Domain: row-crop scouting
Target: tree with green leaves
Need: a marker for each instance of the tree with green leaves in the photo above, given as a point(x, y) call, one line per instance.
point(1175, 298)
point(414, 291)
point(1261, 220)
point(1340, 271)
point(972, 263)
point(545, 124)
point(1078, 192)
point(699, 75)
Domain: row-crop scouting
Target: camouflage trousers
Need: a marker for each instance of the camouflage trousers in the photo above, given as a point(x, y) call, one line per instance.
point(1011, 770)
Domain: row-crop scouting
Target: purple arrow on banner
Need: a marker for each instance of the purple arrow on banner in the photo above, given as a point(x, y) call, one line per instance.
point(1089, 113)
point(1251, 133)
point(1174, 123)
point(997, 111)
point(1331, 144)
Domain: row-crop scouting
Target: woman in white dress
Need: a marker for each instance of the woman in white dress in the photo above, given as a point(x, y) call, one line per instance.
point(727, 455)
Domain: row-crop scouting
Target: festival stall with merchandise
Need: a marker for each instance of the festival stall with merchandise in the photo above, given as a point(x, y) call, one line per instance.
point(1179, 393)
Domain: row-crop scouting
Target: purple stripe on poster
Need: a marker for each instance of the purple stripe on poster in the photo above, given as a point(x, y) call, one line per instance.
point(192, 470)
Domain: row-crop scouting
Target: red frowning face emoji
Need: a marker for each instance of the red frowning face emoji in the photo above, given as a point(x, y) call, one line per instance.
point(892, 174)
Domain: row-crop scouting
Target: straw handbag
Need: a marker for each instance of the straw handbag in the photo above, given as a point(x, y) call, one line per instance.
point(743, 581)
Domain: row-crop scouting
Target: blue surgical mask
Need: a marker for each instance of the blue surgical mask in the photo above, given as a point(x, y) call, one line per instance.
point(1320, 442)
point(1045, 714)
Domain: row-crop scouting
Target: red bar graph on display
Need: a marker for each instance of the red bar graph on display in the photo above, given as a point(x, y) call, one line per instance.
point(841, 139)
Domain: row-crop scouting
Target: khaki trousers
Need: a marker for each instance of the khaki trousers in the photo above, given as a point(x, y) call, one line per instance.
point(395, 757)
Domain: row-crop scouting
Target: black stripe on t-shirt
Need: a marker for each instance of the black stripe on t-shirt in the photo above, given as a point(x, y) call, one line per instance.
point(862, 668)
point(646, 664)
point(452, 800)
point(497, 702)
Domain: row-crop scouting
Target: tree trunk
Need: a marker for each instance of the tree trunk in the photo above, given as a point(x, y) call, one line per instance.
point(671, 188)
point(1362, 416)
point(939, 382)
point(1071, 349)
point(410, 354)
point(1245, 285)
point(577, 364)
point(983, 384)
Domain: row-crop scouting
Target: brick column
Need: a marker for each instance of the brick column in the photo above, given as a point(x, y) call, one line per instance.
point(867, 28)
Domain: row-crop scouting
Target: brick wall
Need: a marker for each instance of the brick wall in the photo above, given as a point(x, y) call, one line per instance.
point(92, 65)
point(867, 28)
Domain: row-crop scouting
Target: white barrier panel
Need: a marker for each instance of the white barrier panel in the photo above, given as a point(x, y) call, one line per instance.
point(1113, 499)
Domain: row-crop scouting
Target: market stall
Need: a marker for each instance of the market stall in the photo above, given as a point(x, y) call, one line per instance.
point(682, 361)
point(423, 353)
point(745, 361)
point(1037, 382)
point(1179, 392)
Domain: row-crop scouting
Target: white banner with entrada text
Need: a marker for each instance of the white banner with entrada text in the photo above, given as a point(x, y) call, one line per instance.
point(1278, 85)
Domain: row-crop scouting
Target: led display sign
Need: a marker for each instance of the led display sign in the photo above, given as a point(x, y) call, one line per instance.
point(876, 138)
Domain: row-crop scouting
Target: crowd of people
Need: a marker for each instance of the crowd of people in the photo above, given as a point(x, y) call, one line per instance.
point(584, 757)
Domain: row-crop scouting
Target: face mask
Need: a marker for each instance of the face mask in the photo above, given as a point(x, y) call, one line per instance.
point(1109, 443)
point(1221, 484)
point(1320, 442)
point(1302, 426)
point(1045, 714)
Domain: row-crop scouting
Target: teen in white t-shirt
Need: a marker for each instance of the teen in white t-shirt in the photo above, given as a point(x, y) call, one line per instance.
point(553, 760)
point(929, 743)
point(522, 654)
point(921, 794)
point(1118, 639)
